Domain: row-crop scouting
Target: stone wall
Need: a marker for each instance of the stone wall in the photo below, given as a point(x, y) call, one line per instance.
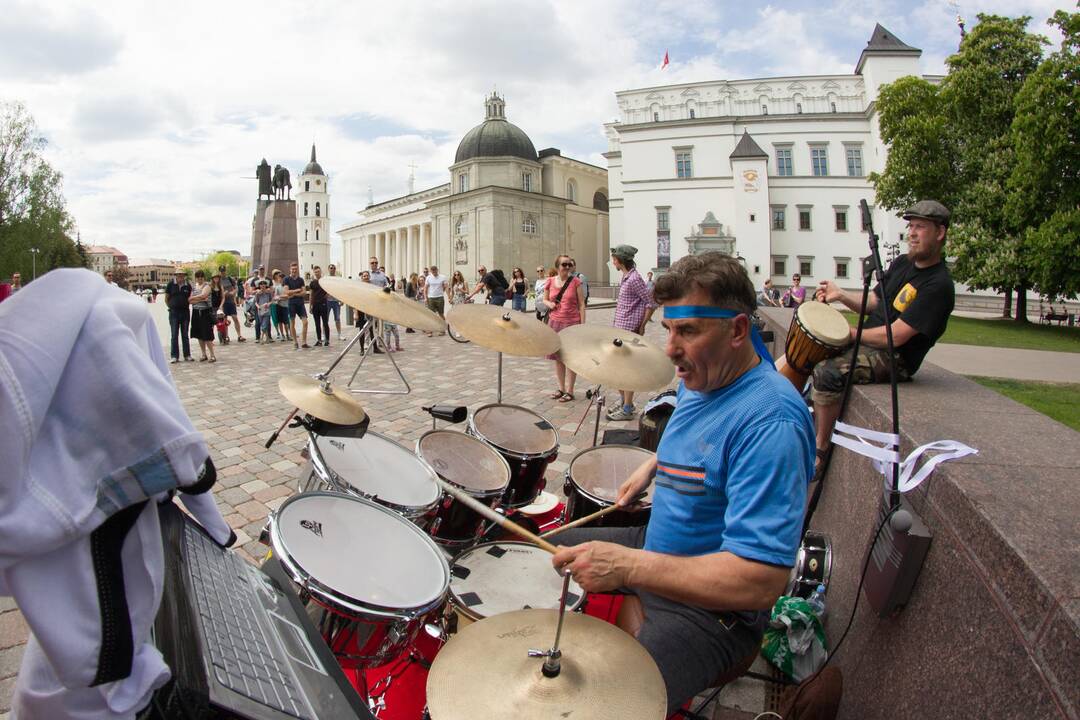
point(993, 626)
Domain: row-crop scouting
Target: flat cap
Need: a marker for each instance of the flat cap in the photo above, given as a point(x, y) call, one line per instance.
point(929, 210)
point(624, 252)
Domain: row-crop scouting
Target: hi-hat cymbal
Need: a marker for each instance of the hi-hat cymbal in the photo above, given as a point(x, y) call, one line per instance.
point(329, 404)
point(383, 304)
point(485, 671)
point(615, 358)
point(503, 330)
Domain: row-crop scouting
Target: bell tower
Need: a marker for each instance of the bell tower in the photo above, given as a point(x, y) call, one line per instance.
point(313, 217)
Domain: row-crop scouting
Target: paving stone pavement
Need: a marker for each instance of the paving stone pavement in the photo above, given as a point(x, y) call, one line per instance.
point(236, 405)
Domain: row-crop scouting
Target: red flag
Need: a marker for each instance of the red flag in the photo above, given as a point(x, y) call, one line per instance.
point(665, 63)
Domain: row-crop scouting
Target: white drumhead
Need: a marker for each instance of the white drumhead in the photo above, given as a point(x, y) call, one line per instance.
point(502, 577)
point(600, 471)
point(380, 468)
point(366, 553)
point(826, 324)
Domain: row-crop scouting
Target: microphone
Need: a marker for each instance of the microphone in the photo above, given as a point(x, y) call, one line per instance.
point(867, 221)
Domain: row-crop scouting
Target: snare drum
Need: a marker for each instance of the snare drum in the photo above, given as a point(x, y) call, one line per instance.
point(817, 332)
point(470, 465)
point(813, 565)
point(502, 577)
point(368, 606)
point(527, 441)
point(376, 468)
point(593, 480)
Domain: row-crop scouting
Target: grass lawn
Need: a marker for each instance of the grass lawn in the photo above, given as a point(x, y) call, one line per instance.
point(1006, 333)
point(1060, 401)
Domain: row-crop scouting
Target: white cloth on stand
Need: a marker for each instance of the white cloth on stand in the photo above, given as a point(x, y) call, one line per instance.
point(882, 449)
point(93, 425)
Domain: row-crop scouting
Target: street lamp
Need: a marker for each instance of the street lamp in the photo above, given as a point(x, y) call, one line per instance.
point(33, 256)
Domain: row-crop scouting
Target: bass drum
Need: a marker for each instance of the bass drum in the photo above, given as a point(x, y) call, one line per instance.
point(368, 609)
point(813, 565)
point(593, 480)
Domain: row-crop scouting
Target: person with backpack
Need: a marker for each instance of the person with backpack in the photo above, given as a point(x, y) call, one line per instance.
point(565, 295)
point(494, 282)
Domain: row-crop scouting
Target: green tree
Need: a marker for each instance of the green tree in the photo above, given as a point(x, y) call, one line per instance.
point(1045, 181)
point(955, 143)
point(213, 261)
point(32, 208)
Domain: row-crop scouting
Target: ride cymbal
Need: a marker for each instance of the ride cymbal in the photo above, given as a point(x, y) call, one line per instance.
point(502, 330)
point(322, 401)
point(485, 671)
point(615, 358)
point(383, 304)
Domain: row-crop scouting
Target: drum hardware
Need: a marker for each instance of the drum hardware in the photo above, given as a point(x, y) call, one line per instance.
point(452, 414)
point(553, 657)
point(595, 394)
point(605, 673)
point(813, 565)
point(597, 515)
point(496, 517)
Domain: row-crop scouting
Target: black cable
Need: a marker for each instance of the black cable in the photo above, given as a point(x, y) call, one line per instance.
point(854, 605)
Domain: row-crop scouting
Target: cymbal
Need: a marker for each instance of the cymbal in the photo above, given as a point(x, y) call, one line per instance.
point(382, 304)
point(485, 671)
point(506, 331)
point(615, 358)
point(332, 405)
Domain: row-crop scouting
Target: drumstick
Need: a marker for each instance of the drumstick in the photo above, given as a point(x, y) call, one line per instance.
point(594, 516)
point(496, 517)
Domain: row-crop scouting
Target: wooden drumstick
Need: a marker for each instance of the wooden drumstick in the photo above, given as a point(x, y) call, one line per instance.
point(496, 517)
point(594, 516)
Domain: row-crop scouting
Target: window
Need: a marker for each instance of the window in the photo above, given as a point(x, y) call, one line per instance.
point(656, 117)
point(307, 185)
point(764, 109)
point(833, 106)
point(600, 201)
point(305, 234)
point(854, 161)
point(684, 167)
point(571, 191)
point(779, 265)
point(463, 182)
point(804, 218)
point(819, 161)
point(779, 218)
point(841, 220)
point(662, 219)
point(798, 108)
point(806, 266)
point(842, 267)
point(318, 209)
point(783, 162)
point(316, 236)
point(305, 209)
point(528, 224)
point(692, 115)
point(753, 217)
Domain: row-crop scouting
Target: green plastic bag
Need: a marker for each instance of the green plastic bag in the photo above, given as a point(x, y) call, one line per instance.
point(795, 640)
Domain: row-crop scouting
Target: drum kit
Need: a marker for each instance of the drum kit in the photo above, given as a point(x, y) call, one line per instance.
point(428, 516)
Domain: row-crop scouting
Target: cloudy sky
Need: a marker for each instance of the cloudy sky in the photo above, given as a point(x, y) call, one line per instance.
point(158, 112)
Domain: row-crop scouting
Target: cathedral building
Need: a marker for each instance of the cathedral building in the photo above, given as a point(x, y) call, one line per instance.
point(505, 205)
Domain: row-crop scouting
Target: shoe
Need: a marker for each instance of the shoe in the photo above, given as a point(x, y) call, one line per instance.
point(213, 359)
point(174, 361)
point(566, 397)
point(341, 337)
point(378, 351)
point(618, 413)
point(189, 359)
point(326, 343)
point(240, 339)
point(397, 349)
point(306, 346)
point(203, 359)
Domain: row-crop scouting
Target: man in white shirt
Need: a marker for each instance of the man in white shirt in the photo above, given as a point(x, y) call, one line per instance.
point(435, 291)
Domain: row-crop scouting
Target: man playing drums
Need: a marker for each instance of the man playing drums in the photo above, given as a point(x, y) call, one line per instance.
point(731, 481)
point(921, 297)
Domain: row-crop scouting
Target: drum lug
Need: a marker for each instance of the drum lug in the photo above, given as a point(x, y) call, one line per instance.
point(264, 534)
point(448, 500)
point(434, 527)
point(568, 485)
point(305, 453)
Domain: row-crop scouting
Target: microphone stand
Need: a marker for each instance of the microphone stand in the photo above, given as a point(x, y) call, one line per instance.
point(870, 270)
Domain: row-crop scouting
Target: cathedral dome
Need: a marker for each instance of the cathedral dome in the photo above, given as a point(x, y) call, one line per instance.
point(495, 137)
point(313, 167)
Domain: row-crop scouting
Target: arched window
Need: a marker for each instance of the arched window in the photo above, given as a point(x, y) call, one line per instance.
point(599, 201)
point(305, 209)
point(307, 186)
point(571, 191)
point(318, 209)
point(305, 234)
point(316, 236)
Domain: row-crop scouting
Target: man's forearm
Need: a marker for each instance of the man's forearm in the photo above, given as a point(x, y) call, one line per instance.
point(721, 581)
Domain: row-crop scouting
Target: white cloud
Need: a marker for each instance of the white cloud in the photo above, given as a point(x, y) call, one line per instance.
point(157, 113)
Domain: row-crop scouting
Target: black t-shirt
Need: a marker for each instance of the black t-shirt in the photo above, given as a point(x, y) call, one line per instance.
point(921, 297)
point(294, 283)
point(176, 295)
point(318, 295)
point(494, 285)
point(519, 288)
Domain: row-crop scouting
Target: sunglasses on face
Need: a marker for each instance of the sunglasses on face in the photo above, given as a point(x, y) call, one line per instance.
point(566, 264)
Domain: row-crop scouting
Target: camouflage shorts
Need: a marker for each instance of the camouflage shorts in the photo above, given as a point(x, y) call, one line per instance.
point(871, 365)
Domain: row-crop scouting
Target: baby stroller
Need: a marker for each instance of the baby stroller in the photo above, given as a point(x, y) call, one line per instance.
point(249, 312)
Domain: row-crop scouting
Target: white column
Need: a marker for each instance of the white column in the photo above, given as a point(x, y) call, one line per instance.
point(402, 252)
point(410, 251)
point(391, 245)
point(425, 255)
point(381, 255)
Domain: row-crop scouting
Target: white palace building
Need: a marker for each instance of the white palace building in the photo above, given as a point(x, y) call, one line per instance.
point(771, 170)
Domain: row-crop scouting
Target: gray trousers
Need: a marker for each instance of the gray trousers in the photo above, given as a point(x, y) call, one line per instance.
point(692, 646)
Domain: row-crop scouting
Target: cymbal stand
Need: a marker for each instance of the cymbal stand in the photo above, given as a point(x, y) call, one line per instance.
point(595, 394)
point(553, 657)
point(498, 392)
point(377, 341)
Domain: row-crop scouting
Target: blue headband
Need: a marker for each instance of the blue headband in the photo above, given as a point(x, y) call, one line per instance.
point(682, 312)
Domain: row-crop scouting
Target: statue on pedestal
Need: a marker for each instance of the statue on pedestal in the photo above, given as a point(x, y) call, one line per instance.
point(282, 184)
point(266, 180)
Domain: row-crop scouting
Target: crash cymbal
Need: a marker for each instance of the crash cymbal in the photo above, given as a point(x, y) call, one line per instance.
point(485, 671)
point(383, 304)
point(326, 403)
point(503, 330)
point(615, 358)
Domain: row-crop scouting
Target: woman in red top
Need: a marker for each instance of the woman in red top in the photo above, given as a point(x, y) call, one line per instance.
point(566, 298)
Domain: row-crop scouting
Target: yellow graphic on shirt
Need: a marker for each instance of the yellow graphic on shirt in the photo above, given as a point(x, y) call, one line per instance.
point(905, 297)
